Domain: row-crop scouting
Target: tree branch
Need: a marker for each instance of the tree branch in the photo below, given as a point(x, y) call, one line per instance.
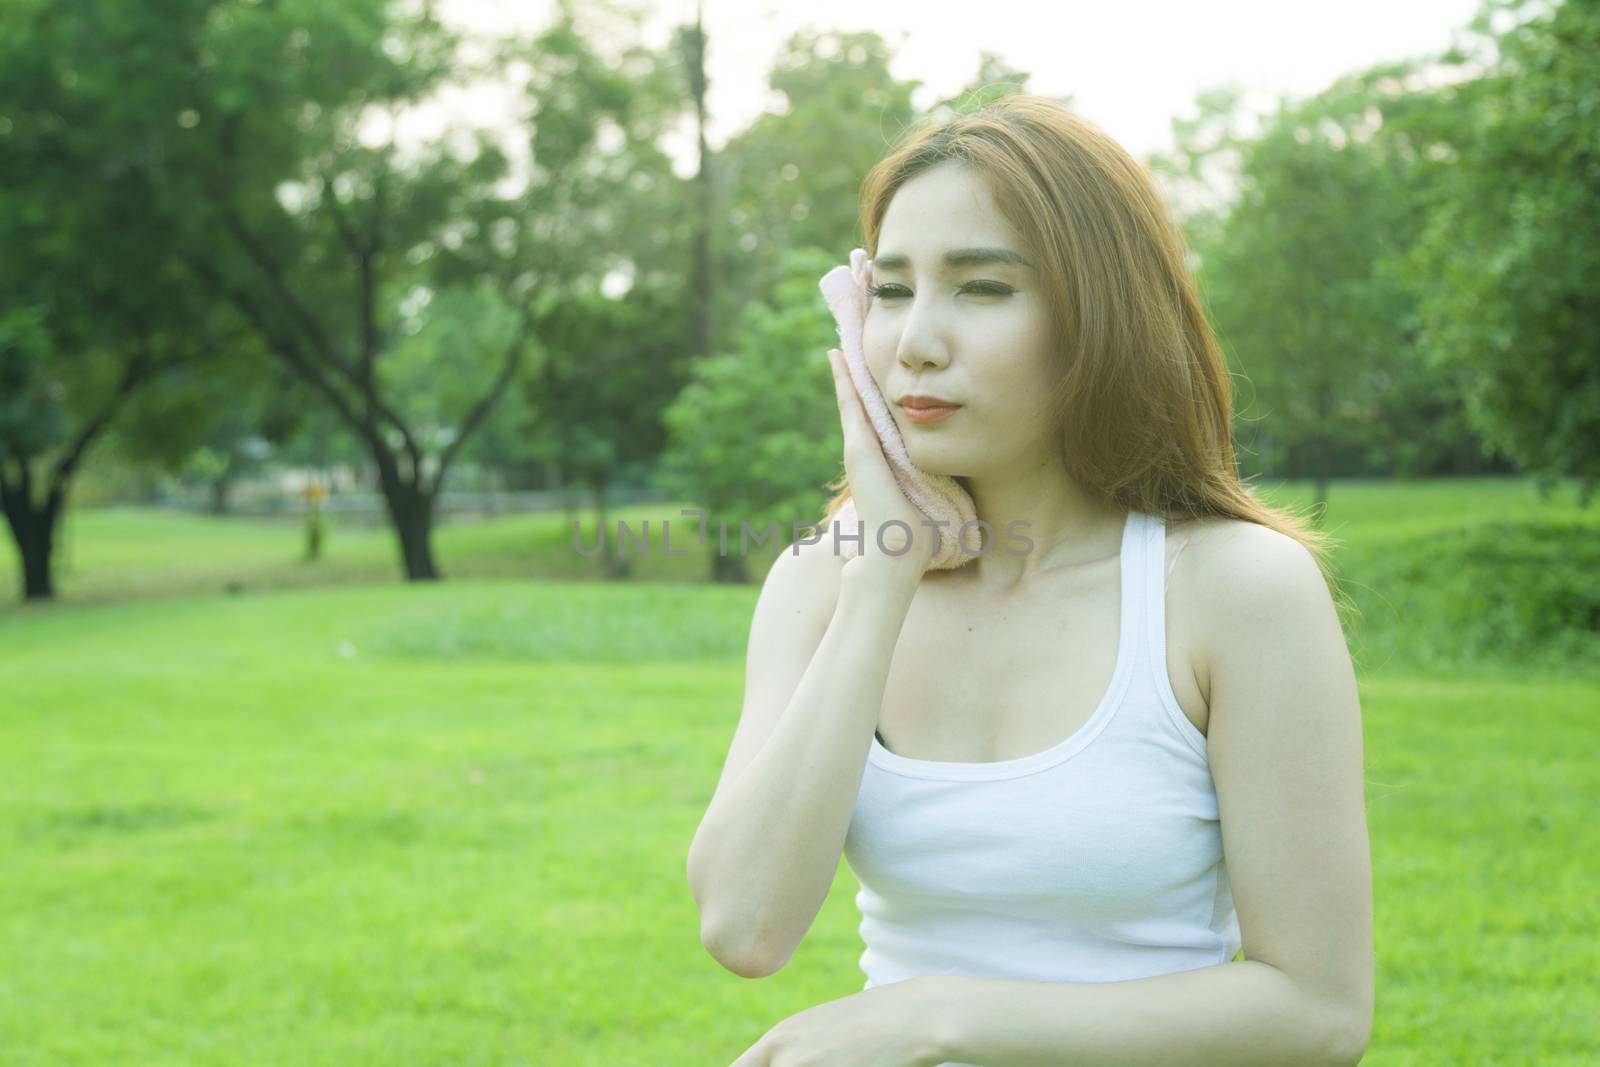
point(137, 372)
point(363, 251)
point(23, 488)
point(380, 183)
point(286, 349)
point(479, 411)
point(268, 265)
point(374, 244)
point(341, 221)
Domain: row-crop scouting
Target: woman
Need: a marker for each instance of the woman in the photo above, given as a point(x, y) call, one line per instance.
point(1073, 777)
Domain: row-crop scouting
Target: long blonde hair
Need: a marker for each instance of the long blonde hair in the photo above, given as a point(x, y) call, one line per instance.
point(1144, 402)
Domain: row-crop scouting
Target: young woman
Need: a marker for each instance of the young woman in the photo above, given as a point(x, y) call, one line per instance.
point(1076, 777)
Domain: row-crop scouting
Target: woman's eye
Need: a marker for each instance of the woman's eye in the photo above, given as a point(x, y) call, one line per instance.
point(893, 292)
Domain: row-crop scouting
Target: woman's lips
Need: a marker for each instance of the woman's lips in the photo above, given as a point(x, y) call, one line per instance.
point(922, 416)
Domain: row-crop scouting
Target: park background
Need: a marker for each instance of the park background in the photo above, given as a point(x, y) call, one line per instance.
point(321, 744)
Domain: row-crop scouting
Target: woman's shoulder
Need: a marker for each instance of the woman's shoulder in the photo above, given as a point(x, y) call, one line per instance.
point(1234, 561)
point(807, 570)
point(1235, 547)
point(1236, 572)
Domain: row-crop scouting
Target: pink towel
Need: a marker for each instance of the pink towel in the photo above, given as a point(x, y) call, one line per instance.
point(937, 496)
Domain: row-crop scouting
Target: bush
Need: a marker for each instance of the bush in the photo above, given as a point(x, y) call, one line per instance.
point(1524, 595)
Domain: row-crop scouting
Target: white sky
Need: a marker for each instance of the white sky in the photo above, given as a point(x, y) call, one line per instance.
point(1130, 67)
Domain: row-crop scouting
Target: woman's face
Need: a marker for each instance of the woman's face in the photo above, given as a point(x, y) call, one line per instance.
point(974, 332)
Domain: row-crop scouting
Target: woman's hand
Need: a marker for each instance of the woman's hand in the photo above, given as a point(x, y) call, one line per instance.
point(877, 495)
point(886, 1026)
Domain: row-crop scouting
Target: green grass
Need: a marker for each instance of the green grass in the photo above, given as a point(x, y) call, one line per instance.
point(236, 831)
point(115, 553)
point(445, 823)
point(1448, 575)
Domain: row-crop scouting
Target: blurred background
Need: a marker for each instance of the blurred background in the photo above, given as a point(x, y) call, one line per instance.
point(331, 332)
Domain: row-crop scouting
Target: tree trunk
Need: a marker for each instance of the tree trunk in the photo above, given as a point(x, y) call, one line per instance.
point(219, 489)
point(728, 569)
point(34, 525)
point(415, 527)
point(495, 483)
point(569, 502)
point(616, 566)
point(705, 275)
point(38, 546)
point(1291, 462)
point(33, 528)
point(410, 509)
point(1324, 471)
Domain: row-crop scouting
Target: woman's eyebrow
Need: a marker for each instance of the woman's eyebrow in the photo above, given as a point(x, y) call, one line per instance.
point(959, 257)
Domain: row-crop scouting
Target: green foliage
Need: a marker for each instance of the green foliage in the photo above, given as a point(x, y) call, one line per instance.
point(31, 404)
point(1500, 593)
point(793, 177)
point(996, 78)
point(755, 434)
point(436, 361)
point(94, 312)
point(1513, 242)
point(1295, 280)
point(250, 163)
point(1407, 267)
point(290, 194)
point(611, 366)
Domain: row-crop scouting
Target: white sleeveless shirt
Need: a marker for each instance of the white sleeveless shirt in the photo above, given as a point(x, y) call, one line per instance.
point(1097, 860)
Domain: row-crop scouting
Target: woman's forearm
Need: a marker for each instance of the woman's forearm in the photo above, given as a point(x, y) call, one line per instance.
point(768, 849)
point(1245, 1014)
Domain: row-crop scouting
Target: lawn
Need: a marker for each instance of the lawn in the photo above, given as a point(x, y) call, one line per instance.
point(371, 822)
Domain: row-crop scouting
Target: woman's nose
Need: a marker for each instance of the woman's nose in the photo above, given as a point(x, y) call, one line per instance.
point(918, 351)
point(920, 342)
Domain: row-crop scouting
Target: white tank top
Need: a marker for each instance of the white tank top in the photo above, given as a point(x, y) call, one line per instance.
point(1097, 860)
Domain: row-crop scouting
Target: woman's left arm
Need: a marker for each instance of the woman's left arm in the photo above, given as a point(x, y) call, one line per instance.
point(1285, 748)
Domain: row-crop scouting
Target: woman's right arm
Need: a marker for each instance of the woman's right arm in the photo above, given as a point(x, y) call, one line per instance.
point(765, 854)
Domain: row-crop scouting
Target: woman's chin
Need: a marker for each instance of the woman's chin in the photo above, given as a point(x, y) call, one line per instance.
point(943, 461)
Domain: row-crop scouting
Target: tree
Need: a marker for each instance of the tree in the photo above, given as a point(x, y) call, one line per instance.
point(270, 151)
point(60, 391)
point(792, 212)
point(616, 352)
point(1294, 277)
point(616, 366)
point(216, 422)
point(745, 458)
point(1507, 265)
point(691, 43)
point(92, 312)
point(793, 177)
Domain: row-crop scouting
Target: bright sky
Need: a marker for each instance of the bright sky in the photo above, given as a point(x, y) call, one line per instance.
point(1130, 67)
